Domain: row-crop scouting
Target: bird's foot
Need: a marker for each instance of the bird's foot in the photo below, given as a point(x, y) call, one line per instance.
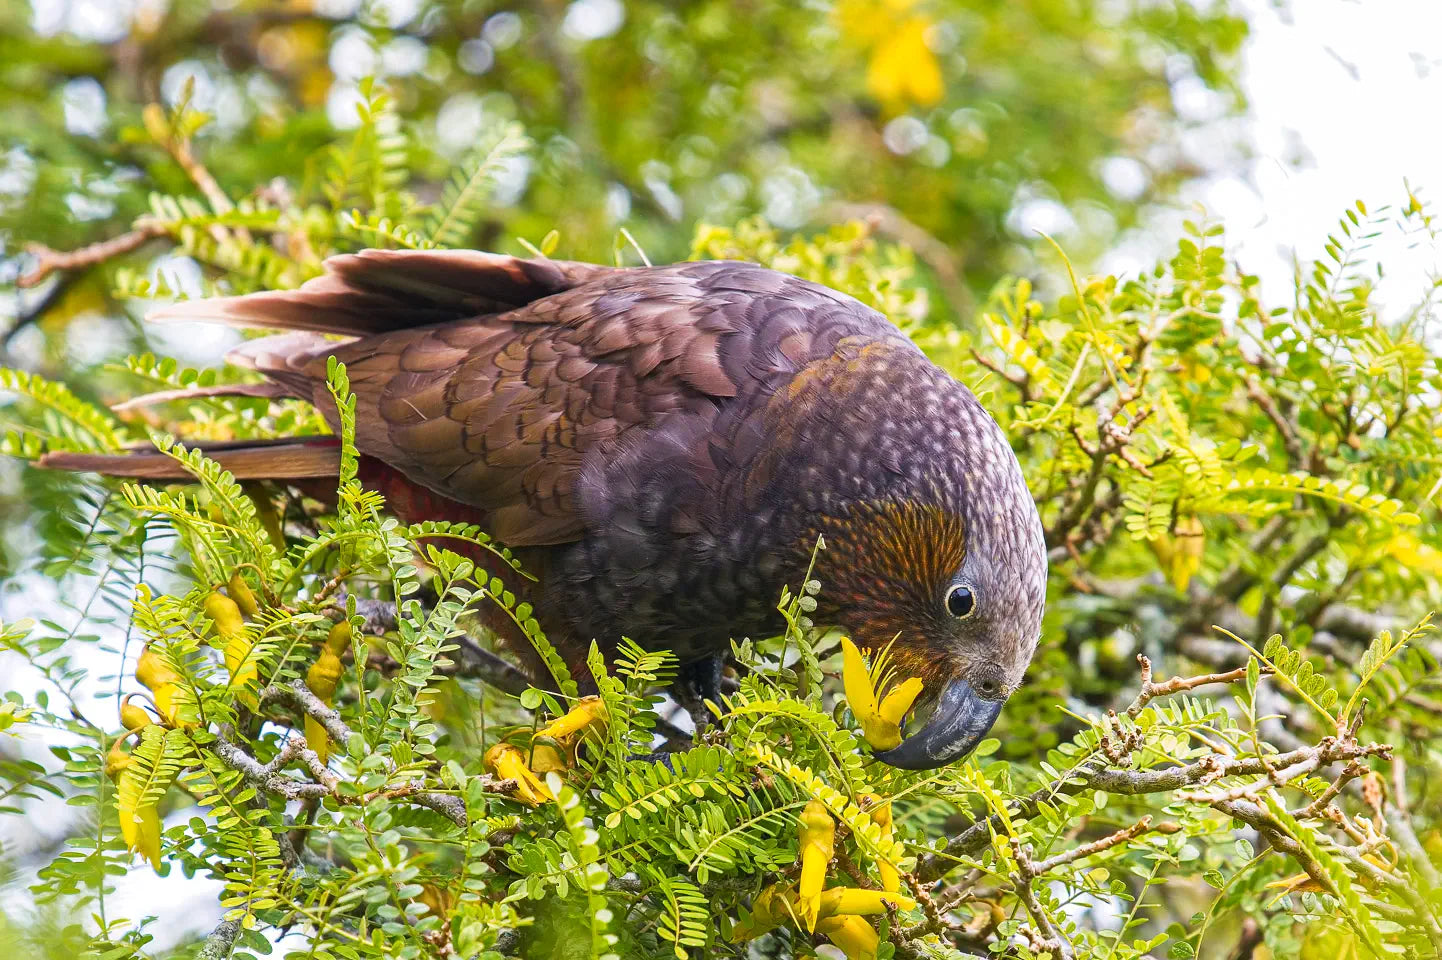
point(699, 681)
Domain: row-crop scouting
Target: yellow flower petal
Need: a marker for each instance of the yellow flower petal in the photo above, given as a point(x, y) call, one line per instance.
point(857, 682)
point(322, 678)
point(549, 758)
point(172, 701)
point(818, 843)
point(881, 816)
point(881, 726)
point(337, 640)
point(903, 70)
point(239, 591)
point(117, 759)
point(132, 717)
point(588, 712)
point(895, 704)
point(151, 671)
point(139, 819)
point(506, 762)
point(769, 910)
point(224, 613)
point(854, 901)
point(852, 934)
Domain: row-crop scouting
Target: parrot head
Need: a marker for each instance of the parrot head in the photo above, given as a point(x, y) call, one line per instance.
point(943, 563)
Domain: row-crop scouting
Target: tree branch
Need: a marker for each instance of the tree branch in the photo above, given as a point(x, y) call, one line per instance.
point(1151, 689)
point(1055, 939)
point(49, 261)
point(220, 942)
point(267, 777)
point(1144, 825)
point(1097, 775)
point(298, 697)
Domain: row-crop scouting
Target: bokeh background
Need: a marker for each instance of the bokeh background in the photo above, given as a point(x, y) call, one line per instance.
point(962, 128)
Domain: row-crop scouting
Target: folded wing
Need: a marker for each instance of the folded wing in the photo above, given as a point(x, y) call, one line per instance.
point(488, 378)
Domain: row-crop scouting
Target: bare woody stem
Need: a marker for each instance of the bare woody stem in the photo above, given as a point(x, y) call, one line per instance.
point(48, 261)
point(220, 942)
point(1028, 870)
point(1126, 834)
point(145, 228)
point(269, 779)
point(1151, 689)
point(1096, 774)
point(298, 697)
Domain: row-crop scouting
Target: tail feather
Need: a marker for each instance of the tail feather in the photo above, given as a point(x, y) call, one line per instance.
point(285, 460)
point(376, 291)
point(271, 391)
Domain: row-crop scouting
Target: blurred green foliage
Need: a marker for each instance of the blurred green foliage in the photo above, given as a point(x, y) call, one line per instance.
point(649, 115)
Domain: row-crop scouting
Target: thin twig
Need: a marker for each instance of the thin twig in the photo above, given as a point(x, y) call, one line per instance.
point(1029, 869)
point(297, 696)
point(1144, 825)
point(1096, 774)
point(1290, 441)
point(1349, 773)
point(1151, 689)
point(49, 261)
point(1400, 822)
point(939, 256)
point(267, 777)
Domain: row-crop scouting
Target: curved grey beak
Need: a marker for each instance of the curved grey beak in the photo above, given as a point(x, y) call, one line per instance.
point(961, 719)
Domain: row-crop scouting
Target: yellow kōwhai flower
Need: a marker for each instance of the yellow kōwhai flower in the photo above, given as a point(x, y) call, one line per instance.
point(132, 717)
point(553, 749)
point(166, 687)
point(880, 812)
point(504, 760)
point(116, 759)
point(852, 934)
point(880, 724)
point(239, 591)
point(322, 679)
point(776, 904)
point(229, 622)
point(901, 68)
point(769, 910)
point(817, 833)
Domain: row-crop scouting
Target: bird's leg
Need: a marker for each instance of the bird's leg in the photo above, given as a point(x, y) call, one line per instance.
point(699, 681)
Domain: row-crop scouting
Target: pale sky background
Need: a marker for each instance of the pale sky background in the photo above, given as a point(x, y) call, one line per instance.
point(1351, 88)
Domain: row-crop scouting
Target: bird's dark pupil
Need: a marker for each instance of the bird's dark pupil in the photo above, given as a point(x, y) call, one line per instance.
point(959, 602)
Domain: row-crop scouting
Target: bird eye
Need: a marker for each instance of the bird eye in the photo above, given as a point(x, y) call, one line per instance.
point(960, 601)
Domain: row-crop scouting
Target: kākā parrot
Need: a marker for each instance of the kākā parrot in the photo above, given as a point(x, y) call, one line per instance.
point(664, 446)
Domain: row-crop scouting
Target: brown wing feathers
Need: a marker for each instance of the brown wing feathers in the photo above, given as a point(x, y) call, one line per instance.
point(481, 377)
point(365, 293)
